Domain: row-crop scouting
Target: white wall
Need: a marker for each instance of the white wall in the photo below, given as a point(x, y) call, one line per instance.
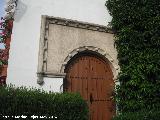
point(23, 59)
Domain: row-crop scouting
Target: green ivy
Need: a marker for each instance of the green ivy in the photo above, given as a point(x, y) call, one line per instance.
point(153, 114)
point(136, 24)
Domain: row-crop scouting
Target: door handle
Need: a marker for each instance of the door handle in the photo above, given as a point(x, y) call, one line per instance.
point(91, 98)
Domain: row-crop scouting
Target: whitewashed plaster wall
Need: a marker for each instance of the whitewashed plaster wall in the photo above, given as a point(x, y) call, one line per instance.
point(23, 59)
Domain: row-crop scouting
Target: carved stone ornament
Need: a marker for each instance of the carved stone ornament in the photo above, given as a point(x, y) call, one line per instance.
point(61, 39)
point(10, 9)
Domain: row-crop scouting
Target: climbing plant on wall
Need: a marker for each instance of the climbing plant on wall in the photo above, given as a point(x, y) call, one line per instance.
point(6, 24)
point(5, 34)
point(136, 24)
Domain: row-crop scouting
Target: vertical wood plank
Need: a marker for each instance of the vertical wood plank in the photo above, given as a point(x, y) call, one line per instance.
point(85, 78)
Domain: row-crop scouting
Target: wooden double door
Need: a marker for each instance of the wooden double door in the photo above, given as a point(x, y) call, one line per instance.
point(92, 77)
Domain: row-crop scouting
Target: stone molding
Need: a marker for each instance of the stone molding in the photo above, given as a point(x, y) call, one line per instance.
point(77, 24)
point(43, 47)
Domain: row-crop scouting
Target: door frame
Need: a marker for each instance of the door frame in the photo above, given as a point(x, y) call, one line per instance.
point(113, 62)
point(97, 53)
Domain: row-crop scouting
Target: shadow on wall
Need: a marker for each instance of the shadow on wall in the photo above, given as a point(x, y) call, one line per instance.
point(20, 11)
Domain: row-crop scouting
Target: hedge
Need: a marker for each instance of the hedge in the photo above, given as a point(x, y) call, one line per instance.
point(36, 103)
point(140, 115)
point(136, 24)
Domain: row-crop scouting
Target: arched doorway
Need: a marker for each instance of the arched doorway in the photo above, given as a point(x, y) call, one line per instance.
point(90, 75)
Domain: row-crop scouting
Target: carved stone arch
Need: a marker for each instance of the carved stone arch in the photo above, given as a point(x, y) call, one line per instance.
point(74, 80)
point(99, 52)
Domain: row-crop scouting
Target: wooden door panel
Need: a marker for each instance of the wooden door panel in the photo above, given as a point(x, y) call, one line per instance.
point(100, 111)
point(92, 78)
point(100, 82)
point(95, 110)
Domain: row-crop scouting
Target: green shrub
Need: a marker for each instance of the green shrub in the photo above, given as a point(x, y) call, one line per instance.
point(61, 106)
point(136, 24)
point(141, 115)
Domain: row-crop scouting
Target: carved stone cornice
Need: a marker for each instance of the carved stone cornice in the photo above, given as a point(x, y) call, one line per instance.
point(77, 24)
